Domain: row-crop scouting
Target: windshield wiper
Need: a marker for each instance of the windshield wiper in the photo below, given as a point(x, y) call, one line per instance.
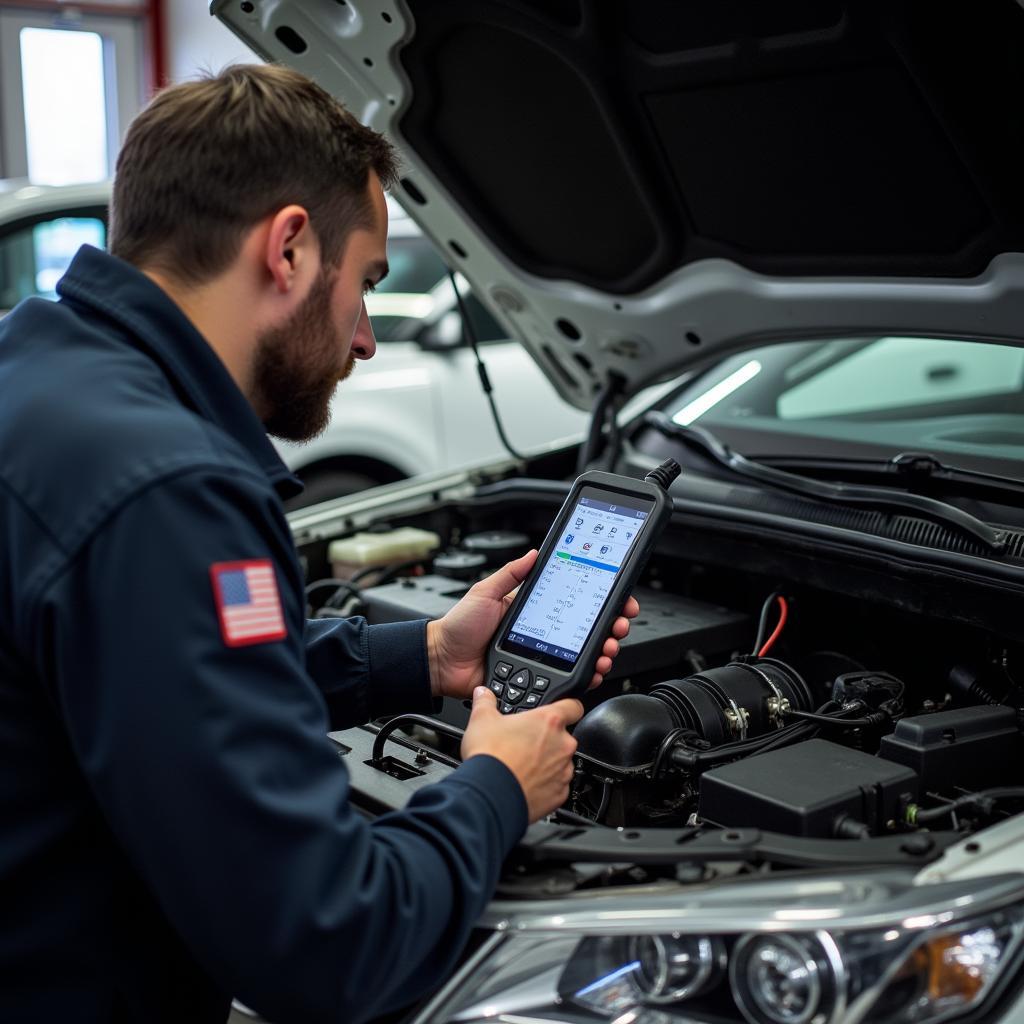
point(912, 468)
point(706, 444)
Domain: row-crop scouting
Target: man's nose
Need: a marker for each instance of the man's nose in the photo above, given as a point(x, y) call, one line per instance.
point(364, 344)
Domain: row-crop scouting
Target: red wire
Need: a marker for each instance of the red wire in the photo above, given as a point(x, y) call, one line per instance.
point(783, 609)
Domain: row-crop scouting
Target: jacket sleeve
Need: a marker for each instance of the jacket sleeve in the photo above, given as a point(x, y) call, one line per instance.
point(212, 767)
point(367, 672)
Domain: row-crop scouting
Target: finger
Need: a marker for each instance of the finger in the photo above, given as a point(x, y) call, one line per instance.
point(631, 609)
point(610, 650)
point(603, 666)
point(569, 710)
point(620, 628)
point(508, 577)
point(484, 701)
point(597, 680)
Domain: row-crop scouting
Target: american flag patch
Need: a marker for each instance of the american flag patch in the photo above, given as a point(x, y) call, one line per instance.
point(247, 602)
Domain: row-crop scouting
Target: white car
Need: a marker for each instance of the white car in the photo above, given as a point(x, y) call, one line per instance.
point(416, 407)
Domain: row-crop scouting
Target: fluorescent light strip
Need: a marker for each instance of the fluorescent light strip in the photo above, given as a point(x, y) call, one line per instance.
point(714, 395)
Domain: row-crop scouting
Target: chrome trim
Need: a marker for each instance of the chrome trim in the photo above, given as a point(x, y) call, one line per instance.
point(445, 993)
point(810, 903)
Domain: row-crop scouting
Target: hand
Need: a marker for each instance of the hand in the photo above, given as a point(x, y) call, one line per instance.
point(457, 643)
point(533, 746)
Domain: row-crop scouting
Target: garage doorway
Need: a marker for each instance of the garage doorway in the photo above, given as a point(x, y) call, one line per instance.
point(70, 82)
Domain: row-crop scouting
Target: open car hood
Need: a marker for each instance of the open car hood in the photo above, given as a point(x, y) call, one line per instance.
point(636, 188)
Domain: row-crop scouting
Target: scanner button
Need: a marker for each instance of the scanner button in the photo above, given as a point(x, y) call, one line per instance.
point(502, 670)
point(521, 679)
point(532, 700)
point(512, 695)
point(497, 686)
point(541, 683)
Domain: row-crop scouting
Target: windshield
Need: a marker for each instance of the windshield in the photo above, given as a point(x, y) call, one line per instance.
point(866, 398)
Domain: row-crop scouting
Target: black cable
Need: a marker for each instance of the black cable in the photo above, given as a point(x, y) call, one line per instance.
point(388, 572)
point(985, 796)
point(663, 475)
point(875, 718)
point(606, 799)
point(604, 413)
point(694, 760)
point(690, 759)
point(801, 731)
point(762, 625)
point(401, 721)
point(672, 737)
point(485, 381)
point(312, 588)
point(572, 818)
point(336, 585)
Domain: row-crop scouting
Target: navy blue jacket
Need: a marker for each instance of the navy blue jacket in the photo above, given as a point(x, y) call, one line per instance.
point(174, 824)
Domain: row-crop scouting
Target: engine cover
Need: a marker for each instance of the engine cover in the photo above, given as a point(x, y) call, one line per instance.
point(815, 788)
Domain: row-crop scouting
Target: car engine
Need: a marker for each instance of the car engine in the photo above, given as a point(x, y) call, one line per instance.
point(813, 711)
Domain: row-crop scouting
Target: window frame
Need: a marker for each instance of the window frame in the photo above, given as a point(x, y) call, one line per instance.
point(126, 63)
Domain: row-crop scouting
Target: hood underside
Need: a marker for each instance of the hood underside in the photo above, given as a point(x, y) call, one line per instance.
point(638, 187)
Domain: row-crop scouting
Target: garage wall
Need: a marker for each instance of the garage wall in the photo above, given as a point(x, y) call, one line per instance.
point(197, 42)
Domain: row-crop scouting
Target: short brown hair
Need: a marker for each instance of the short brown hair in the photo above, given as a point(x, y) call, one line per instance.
point(208, 159)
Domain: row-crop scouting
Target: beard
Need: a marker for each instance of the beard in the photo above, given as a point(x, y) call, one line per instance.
point(297, 367)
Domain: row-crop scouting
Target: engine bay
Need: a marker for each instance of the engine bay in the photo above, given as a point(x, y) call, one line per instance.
point(792, 693)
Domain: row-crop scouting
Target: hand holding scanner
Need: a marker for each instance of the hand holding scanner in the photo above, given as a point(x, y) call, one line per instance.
point(551, 636)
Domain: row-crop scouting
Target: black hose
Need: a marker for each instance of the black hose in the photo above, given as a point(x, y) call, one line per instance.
point(336, 585)
point(388, 572)
point(605, 410)
point(572, 818)
point(985, 798)
point(385, 731)
point(875, 718)
point(697, 760)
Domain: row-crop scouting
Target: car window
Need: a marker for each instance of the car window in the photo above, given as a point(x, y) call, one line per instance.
point(414, 267)
point(34, 255)
point(895, 372)
point(872, 395)
point(403, 298)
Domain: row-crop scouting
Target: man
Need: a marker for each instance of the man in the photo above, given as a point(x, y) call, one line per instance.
point(175, 821)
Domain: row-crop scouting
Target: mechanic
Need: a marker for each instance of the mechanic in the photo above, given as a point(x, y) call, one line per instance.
point(176, 827)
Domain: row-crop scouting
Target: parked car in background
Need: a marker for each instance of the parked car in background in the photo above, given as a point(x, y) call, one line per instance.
point(416, 407)
point(41, 228)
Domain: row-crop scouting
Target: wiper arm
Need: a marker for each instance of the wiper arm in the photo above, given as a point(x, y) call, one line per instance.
point(911, 467)
point(705, 443)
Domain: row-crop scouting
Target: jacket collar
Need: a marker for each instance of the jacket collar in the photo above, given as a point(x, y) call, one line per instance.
point(123, 294)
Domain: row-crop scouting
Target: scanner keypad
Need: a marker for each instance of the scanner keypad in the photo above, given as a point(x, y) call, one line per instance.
point(517, 689)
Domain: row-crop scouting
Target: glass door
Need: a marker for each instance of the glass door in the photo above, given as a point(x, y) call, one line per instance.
point(69, 85)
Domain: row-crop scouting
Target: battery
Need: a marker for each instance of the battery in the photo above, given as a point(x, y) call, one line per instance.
point(667, 628)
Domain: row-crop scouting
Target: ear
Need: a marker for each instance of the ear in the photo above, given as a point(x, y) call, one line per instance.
point(292, 252)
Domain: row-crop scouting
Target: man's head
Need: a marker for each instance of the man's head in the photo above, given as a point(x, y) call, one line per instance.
point(257, 186)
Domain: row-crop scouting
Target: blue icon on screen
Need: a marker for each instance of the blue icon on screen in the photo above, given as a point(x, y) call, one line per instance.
point(568, 538)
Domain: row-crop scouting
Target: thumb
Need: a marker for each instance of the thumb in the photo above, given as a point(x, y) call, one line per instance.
point(484, 701)
point(508, 577)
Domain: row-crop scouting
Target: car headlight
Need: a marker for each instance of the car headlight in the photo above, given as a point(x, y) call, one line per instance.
point(813, 952)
